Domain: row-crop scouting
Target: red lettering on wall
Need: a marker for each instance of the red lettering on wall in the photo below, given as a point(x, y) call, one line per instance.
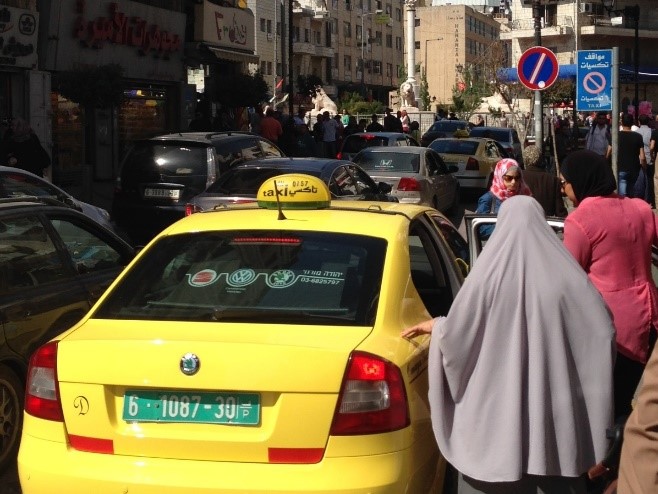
point(121, 29)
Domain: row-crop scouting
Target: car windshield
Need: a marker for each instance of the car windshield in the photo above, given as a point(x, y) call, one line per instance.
point(454, 146)
point(174, 159)
point(501, 135)
point(389, 162)
point(245, 181)
point(354, 144)
point(261, 276)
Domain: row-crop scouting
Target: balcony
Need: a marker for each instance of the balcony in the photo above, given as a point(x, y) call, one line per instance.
point(324, 51)
point(525, 28)
point(599, 25)
point(302, 48)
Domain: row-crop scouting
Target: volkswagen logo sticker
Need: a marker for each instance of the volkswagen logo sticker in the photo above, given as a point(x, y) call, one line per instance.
point(189, 364)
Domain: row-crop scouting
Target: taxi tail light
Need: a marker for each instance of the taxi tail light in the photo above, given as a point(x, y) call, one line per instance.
point(42, 399)
point(339, 155)
point(408, 184)
point(472, 164)
point(191, 209)
point(372, 398)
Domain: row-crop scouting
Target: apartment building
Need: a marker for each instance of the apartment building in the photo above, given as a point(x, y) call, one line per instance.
point(351, 45)
point(453, 39)
point(568, 26)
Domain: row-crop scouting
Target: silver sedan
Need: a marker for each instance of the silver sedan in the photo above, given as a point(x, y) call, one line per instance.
point(416, 175)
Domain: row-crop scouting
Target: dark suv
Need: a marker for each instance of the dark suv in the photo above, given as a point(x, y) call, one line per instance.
point(160, 175)
point(442, 128)
point(55, 262)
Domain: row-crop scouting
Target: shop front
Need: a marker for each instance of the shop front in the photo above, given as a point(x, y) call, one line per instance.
point(91, 135)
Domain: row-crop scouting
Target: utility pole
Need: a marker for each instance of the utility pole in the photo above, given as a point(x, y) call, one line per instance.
point(290, 71)
point(538, 110)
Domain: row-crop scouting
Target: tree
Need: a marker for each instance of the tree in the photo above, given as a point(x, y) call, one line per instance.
point(424, 95)
point(466, 95)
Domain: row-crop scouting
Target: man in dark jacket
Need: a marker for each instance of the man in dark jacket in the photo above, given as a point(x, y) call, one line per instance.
point(391, 122)
point(545, 187)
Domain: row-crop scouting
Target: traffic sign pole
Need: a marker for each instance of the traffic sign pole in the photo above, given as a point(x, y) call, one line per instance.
point(539, 109)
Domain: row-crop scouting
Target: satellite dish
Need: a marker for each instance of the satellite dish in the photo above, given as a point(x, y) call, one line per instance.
point(490, 9)
point(507, 11)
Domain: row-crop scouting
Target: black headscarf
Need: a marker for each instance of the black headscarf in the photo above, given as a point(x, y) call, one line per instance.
point(589, 174)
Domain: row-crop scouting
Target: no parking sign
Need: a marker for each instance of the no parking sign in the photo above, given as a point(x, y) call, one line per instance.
point(594, 80)
point(537, 68)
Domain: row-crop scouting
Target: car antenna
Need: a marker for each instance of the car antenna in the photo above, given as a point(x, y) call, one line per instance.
point(278, 202)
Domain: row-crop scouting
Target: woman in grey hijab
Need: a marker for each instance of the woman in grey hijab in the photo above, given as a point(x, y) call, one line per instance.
point(521, 368)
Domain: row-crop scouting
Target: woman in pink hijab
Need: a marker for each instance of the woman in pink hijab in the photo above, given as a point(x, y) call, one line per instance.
point(507, 182)
point(520, 370)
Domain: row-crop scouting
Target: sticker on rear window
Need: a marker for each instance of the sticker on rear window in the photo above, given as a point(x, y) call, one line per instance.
point(203, 278)
point(281, 278)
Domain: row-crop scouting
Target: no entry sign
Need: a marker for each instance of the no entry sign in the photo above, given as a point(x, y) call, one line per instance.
point(538, 68)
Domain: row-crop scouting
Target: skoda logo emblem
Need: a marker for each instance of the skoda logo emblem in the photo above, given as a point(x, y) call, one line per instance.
point(189, 364)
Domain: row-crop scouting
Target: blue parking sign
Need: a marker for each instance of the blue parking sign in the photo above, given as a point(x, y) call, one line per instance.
point(594, 80)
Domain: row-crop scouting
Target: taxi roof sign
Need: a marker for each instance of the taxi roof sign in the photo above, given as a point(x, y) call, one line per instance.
point(294, 191)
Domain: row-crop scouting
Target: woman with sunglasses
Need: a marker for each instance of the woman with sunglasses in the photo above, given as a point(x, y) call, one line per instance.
point(611, 237)
point(507, 182)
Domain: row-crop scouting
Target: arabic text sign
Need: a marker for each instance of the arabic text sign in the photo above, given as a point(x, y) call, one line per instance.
point(594, 80)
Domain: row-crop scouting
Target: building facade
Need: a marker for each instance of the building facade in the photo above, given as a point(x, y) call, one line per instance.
point(451, 39)
point(568, 26)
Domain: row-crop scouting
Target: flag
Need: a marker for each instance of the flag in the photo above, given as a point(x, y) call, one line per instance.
point(279, 84)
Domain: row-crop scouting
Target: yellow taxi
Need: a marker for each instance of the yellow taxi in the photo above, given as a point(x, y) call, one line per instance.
point(253, 349)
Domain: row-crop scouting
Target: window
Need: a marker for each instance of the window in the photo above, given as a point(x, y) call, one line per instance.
point(389, 41)
point(263, 24)
point(398, 14)
point(260, 276)
point(269, 26)
point(88, 252)
point(28, 257)
point(428, 271)
point(347, 29)
point(376, 67)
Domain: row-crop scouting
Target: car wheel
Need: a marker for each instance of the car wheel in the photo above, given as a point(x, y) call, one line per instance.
point(11, 416)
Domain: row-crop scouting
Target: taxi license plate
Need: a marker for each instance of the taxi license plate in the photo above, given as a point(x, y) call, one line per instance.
point(162, 193)
point(192, 407)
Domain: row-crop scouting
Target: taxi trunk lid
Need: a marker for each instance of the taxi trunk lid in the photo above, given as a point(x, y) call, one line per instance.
point(246, 400)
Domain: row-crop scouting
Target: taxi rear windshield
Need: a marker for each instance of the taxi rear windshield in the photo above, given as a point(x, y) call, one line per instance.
point(259, 276)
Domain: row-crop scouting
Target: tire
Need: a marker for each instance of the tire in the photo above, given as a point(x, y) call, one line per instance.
point(11, 416)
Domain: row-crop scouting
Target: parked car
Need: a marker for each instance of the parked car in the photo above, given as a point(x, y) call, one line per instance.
point(160, 175)
point(417, 175)
point(508, 137)
point(16, 183)
point(55, 262)
point(474, 157)
point(252, 350)
point(241, 183)
point(354, 143)
point(442, 128)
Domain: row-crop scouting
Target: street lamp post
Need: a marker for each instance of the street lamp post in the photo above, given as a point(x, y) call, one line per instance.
point(363, 45)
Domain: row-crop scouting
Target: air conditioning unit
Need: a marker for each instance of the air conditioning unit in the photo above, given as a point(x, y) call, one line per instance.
point(269, 36)
point(587, 7)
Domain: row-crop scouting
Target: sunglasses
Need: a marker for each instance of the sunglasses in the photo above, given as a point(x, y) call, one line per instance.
point(511, 178)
